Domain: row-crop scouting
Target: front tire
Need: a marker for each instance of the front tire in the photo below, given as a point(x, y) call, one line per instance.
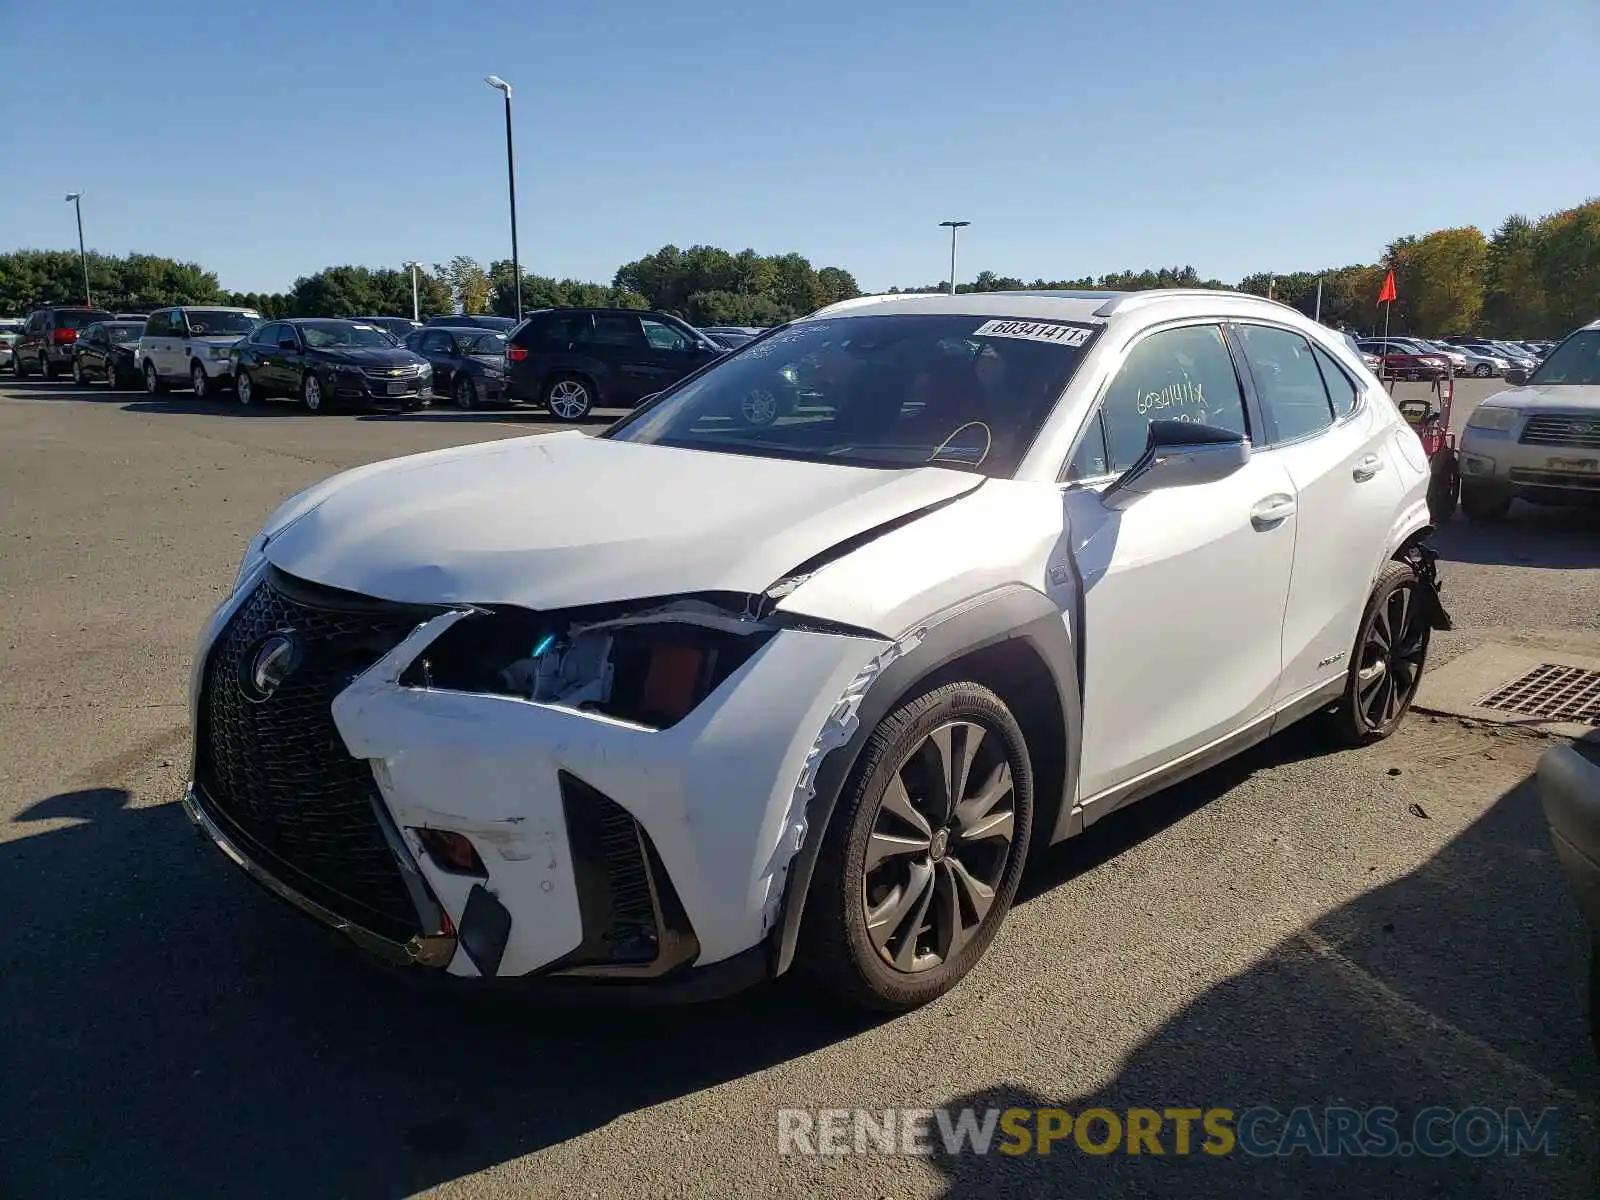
point(47, 368)
point(465, 392)
point(244, 388)
point(200, 382)
point(77, 372)
point(1386, 666)
point(153, 383)
point(1483, 370)
point(311, 394)
point(924, 852)
point(569, 398)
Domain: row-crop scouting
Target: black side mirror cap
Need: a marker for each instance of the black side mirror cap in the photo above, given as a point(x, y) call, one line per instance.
point(1516, 376)
point(288, 344)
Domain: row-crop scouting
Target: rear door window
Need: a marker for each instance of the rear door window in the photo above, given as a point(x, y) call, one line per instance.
point(1341, 391)
point(610, 329)
point(1288, 380)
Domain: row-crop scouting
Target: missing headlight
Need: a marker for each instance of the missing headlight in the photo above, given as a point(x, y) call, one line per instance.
point(651, 665)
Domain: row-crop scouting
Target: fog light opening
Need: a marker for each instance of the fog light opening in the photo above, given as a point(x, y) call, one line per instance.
point(452, 852)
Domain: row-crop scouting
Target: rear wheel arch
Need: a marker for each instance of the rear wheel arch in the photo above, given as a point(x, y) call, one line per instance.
point(1014, 641)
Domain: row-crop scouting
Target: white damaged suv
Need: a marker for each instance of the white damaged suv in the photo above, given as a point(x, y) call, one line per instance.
point(689, 702)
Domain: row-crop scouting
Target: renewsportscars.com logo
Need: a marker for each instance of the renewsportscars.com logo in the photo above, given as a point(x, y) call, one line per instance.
point(1261, 1132)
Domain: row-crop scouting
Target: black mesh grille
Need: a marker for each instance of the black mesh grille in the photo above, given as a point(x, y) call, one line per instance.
point(612, 876)
point(275, 772)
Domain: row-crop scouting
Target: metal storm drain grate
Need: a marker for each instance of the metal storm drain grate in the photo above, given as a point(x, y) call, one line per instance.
point(1550, 692)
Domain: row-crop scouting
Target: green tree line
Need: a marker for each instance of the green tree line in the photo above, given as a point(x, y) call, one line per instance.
point(1529, 278)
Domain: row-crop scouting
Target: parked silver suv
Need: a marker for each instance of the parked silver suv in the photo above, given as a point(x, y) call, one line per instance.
point(1540, 440)
point(191, 345)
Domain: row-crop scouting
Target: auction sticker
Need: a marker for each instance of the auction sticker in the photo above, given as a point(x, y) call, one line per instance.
point(1035, 331)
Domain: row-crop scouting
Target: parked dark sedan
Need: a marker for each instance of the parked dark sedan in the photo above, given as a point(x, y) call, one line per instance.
point(574, 360)
point(104, 350)
point(469, 365)
point(325, 362)
point(463, 321)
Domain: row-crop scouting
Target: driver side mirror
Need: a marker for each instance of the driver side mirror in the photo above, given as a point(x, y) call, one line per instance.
point(288, 344)
point(1516, 376)
point(1179, 454)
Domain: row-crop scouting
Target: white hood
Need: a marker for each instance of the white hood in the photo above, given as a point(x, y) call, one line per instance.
point(1574, 397)
point(561, 520)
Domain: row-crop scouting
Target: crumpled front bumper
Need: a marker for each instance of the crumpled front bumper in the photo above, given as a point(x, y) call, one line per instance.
point(715, 799)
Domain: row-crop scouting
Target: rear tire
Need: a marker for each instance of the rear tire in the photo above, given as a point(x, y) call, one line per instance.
point(19, 365)
point(1484, 506)
point(911, 888)
point(1386, 665)
point(47, 368)
point(569, 398)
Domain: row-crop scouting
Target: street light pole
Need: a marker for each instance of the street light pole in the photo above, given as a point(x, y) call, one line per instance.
point(412, 267)
point(953, 226)
point(501, 85)
point(83, 255)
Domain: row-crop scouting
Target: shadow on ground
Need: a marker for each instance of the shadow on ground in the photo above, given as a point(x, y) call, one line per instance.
point(1459, 985)
point(1529, 536)
point(170, 1029)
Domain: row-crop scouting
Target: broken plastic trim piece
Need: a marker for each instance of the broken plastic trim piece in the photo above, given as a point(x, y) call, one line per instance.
point(837, 730)
point(1424, 560)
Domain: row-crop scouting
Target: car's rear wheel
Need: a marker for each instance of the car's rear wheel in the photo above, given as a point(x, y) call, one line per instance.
point(1484, 505)
point(311, 394)
point(923, 854)
point(244, 388)
point(19, 365)
point(1390, 652)
point(569, 398)
point(152, 382)
point(465, 392)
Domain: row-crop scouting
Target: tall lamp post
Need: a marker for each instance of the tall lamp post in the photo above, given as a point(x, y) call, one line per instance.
point(952, 226)
point(76, 200)
point(412, 267)
point(501, 85)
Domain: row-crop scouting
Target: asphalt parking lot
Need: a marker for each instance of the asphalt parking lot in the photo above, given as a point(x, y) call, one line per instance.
point(1379, 927)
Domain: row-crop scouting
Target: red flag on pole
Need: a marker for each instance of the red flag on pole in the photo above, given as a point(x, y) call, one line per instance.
point(1389, 295)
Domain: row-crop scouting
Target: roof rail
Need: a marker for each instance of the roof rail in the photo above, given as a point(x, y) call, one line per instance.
point(1123, 301)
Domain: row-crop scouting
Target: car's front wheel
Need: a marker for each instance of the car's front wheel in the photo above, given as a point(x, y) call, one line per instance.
point(152, 382)
point(466, 394)
point(77, 371)
point(1483, 370)
point(47, 368)
point(312, 395)
point(1391, 650)
point(200, 382)
point(924, 852)
point(244, 388)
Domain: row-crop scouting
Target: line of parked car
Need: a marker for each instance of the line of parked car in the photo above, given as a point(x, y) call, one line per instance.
point(1434, 358)
point(568, 361)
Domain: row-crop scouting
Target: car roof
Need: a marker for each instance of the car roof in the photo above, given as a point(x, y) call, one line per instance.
point(1085, 306)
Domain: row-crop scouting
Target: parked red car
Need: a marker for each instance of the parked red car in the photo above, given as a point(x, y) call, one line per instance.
point(1395, 365)
point(47, 338)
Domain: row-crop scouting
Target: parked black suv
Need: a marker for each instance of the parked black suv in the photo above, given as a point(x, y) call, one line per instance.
point(48, 337)
point(324, 362)
point(574, 360)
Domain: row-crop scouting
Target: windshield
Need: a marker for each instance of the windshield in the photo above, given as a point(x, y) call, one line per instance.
point(1574, 361)
point(124, 333)
point(326, 335)
point(481, 343)
point(968, 392)
point(70, 319)
point(215, 322)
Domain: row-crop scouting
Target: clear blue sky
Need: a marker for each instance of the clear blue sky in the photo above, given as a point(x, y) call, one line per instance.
point(268, 140)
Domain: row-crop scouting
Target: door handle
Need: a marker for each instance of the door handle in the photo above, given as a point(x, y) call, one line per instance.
point(1272, 512)
point(1367, 468)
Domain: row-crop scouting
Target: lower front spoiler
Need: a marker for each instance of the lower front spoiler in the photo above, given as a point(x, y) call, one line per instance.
point(682, 985)
point(434, 950)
